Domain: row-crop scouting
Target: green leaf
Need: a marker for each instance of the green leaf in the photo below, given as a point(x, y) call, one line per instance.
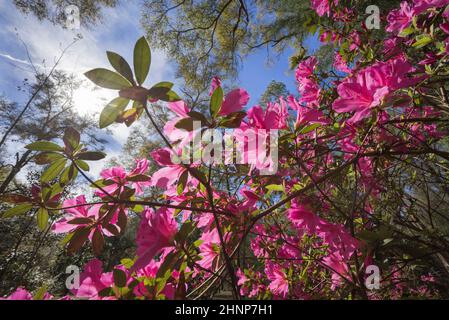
point(17, 210)
point(185, 124)
point(78, 239)
point(80, 221)
point(14, 198)
point(42, 218)
point(167, 265)
point(119, 278)
point(383, 232)
point(233, 120)
point(47, 157)
point(107, 79)
point(407, 31)
point(39, 295)
point(160, 90)
point(112, 229)
point(120, 65)
point(102, 183)
point(44, 146)
point(122, 220)
point(275, 187)
point(309, 128)
point(97, 242)
point(53, 170)
point(184, 232)
point(180, 293)
point(82, 165)
point(170, 96)
point(142, 60)
point(216, 100)
point(66, 239)
point(137, 94)
point(91, 155)
point(422, 40)
point(112, 110)
point(69, 173)
point(138, 178)
point(71, 138)
point(199, 175)
point(127, 263)
point(197, 116)
point(182, 182)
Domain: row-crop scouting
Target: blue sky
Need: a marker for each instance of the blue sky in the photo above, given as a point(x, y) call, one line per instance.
point(118, 33)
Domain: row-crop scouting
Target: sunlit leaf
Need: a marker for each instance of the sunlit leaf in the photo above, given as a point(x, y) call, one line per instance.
point(42, 218)
point(142, 60)
point(47, 157)
point(78, 239)
point(53, 170)
point(91, 155)
point(107, 79)
point(119, 278)
point(44, 146)
point(71, 138)
point(120, 65)
point(17, 210)
point(216, 100)
point(112, 110)
point(97, 242)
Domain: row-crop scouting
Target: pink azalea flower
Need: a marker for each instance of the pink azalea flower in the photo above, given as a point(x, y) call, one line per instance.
point(328, 36)
point(306, 115)
point(371, 86)
point(156, 232)
point(392, 46)
point(78, 211)
point(279, 281)
point(310, 92)
point(304, 219)
point(305, 68)
point(165, 177)
point(321, 7)
point(355, 40)
point(341, 65)
point(93, 280)
point(216, 82)
point(422, 5)
point(307, 86)
point(339, 269)
point(19, 294)
point(274, 117)
point(445, 27)
point(205, 220)
point(181, 111)
point(209, 248)
point(234, 101)
point(120, 178)
point(250, 202)
point(399, 19)
point(150, 271)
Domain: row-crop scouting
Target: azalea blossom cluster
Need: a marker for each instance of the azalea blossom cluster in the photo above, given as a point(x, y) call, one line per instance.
point(288, 235)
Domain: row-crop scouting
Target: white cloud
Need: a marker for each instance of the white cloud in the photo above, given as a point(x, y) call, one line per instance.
point(7, 56)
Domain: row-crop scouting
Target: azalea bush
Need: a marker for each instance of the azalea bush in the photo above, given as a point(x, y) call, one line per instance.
point(359, 183)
